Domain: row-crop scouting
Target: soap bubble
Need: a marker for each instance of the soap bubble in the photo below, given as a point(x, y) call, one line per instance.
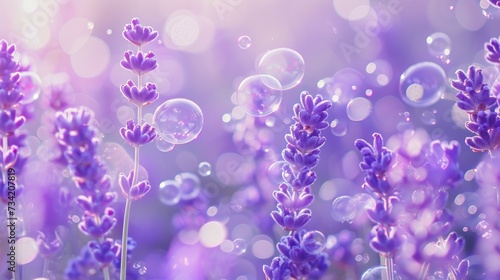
point(313, 242)
point(244, 42)
point(439, 44)
point(204, 169)
point(178, 120)
point(377, 273)
point(274, 172)
point(240, 246)
point(30, 85)
point(170, 192)
point(259, 95)
point(422, 84)
point(189, 185)
point(344, 209)
point(338, 127)
point(286, 65)
point(162, 145)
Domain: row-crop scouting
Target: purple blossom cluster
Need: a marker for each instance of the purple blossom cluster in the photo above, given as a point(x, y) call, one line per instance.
point(80, 141)
point(294, 195)
point(411, 189)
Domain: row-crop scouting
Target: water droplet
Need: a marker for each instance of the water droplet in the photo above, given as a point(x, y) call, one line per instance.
point(313, 242)
point(439, 44)
point(30, 85)
point(344, 209)
point(170, 192)
point(258, 95)
point(422, 84)
point(204, 169)
point(178, 120)
point(244, 42)
point(240, 246)
point(377, 273)
point(338, 127)
point(162, 145)
point(358, 109)
point(189, 185)
point(109, 31)
point(286, 65)
point(274, 172)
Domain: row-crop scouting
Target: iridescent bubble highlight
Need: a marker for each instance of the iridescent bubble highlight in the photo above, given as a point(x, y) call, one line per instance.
point(286, 65)
point(30, 85)
point(170, 192)
point(178, 120)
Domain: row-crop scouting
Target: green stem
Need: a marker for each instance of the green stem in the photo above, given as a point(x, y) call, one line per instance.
point(389, 264)
point(128, 204)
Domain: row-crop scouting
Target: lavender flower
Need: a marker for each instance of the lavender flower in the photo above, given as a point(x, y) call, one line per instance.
point(139, 35)
point(80, 141)
point(301, 154)
point(493, 47)
point(136, 134)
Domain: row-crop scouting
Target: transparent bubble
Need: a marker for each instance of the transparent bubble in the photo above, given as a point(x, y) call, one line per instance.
point(358, 109)
point(483, 229)
point(90, 25)
point(439, 44)
point(162, 145)
point(286, 65)
point(109, 31)
point(345, 85)
point(240, 246)
point(244, 42)
point(30, 85)
point(364, 201)
point(170, 192)
point(338, 127)
point(274, 172)
point(204, 169)
point(143, 270)
point(189, 185)
point(344, 209)
point(178, 120)
point(259, 95)
point(378, 273)
point(313, 242)
point(428, 117)
point(422, 84)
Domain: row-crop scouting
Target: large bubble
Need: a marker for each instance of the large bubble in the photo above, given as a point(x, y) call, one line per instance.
point(422, 84)
point(259, 95)
point(178, 120)
point(286, 65)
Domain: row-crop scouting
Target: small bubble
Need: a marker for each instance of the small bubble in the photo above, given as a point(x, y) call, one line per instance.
point(162, 145)
point(428, 117)
point(189, 185)
point(170, 193)
point(338, 127)
point(90, 25)
point(344, 209)
point(259, 95)
point(369, 92)
point(143, 270)
point(138, 264)
point(313, 242)
point(274, 172)
point(244, 42)
point(109, 31)
point(204, 169)
point(377, 273)
point(66, 173)
point(439, 44)
point(30, 85)
point(240, 246)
